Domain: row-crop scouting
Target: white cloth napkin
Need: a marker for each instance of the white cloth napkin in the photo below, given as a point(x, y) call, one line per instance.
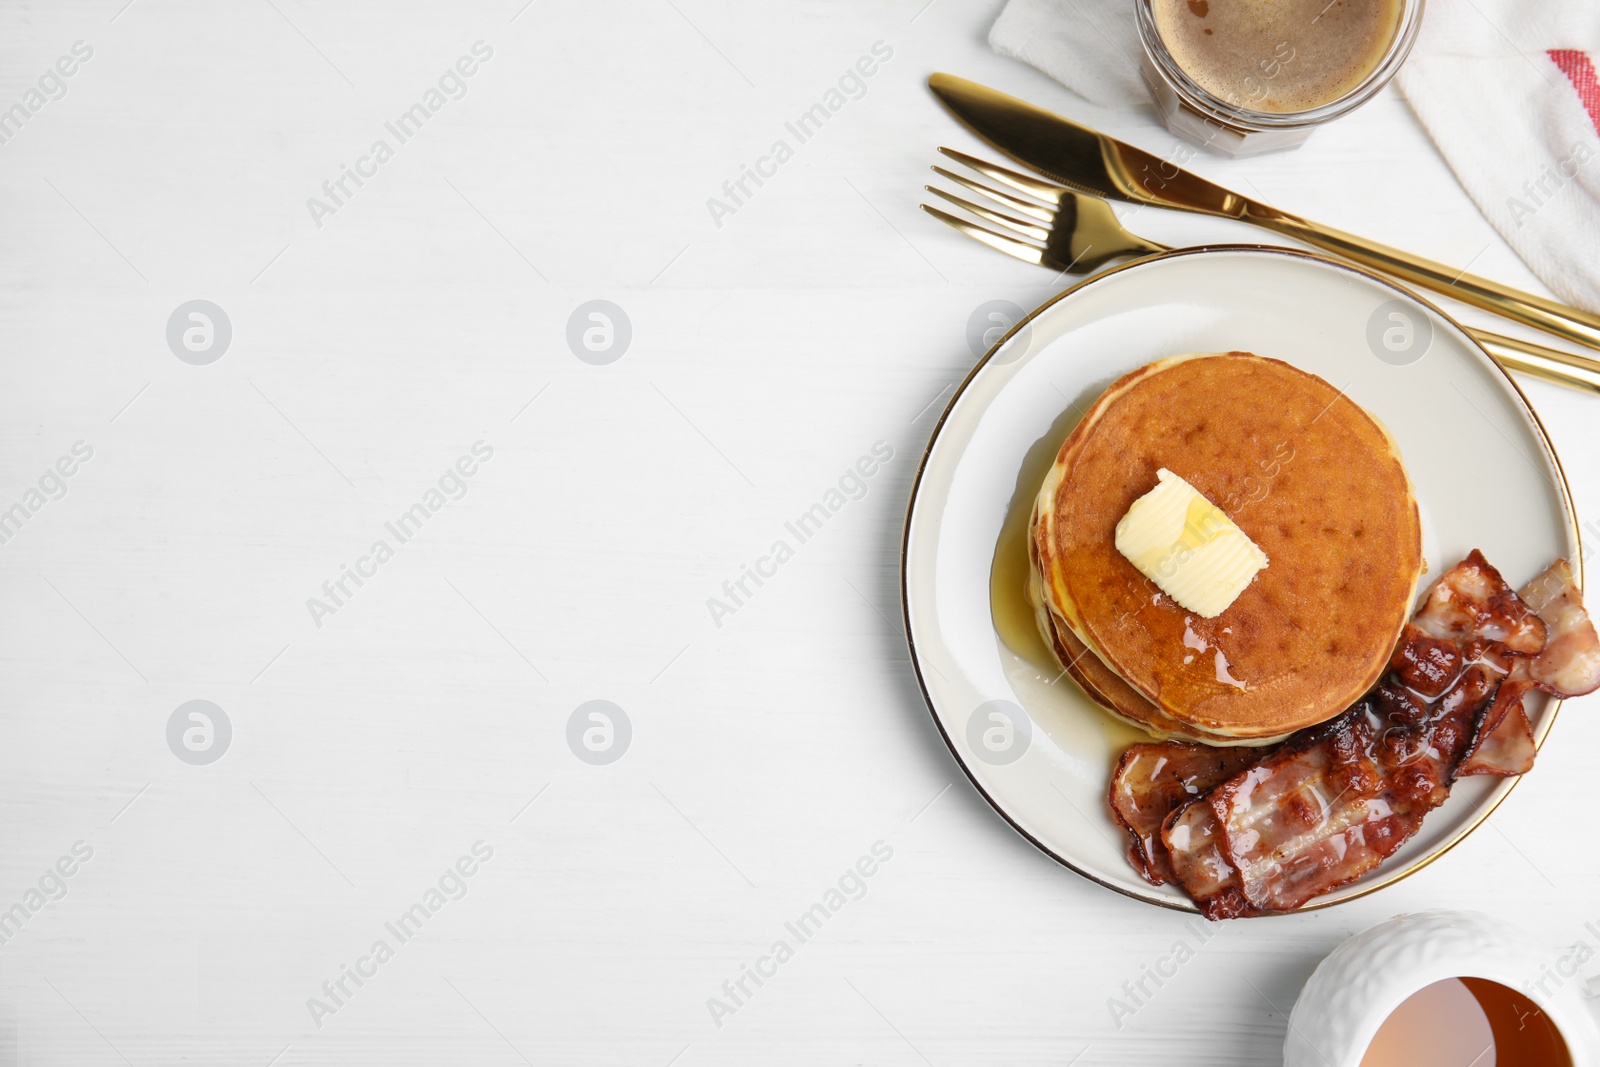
point(1507, 89)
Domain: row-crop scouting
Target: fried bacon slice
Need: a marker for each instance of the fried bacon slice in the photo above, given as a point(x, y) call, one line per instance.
point(1151, 780)
point(1504, 745)
point(1252, 831)
point(1194, 855)
point(1305, 822)
point(1569, 662)
point(1470, 601)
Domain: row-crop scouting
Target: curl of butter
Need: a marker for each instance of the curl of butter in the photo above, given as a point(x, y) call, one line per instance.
point(1188, 546)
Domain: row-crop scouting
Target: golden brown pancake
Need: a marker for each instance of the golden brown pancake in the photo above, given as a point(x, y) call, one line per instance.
point(1102, 684)
point(1308, 475)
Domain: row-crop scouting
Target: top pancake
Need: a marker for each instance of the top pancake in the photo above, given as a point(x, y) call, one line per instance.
point(1308, 475)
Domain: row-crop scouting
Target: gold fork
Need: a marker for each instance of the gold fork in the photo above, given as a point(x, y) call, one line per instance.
point(1075, 233)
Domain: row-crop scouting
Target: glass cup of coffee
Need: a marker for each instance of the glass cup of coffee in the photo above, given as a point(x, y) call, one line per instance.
point(1242, 77)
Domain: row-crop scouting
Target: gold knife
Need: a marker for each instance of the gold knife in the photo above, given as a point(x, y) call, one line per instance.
point(1095, 163)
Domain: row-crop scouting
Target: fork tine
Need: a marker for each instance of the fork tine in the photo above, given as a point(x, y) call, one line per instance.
point(1022, 226)
point(1016, 203)
point(1049, 192)
point(997, 241)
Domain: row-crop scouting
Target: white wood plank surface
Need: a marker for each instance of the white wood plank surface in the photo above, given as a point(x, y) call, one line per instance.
point(374, 744)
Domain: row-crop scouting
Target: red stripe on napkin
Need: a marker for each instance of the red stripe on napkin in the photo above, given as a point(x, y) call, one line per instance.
point(1579, 69)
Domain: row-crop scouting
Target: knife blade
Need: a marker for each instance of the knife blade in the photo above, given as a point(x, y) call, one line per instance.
point(1077, 156)
point(1095, 163)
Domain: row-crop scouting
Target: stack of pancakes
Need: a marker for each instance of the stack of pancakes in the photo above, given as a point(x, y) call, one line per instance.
point(1310, 477)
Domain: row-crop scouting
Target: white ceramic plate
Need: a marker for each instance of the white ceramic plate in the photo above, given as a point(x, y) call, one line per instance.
point(1484, 471)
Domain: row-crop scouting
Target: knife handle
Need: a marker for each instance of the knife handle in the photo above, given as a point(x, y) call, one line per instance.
point(1570, 323)
point(1553, 365)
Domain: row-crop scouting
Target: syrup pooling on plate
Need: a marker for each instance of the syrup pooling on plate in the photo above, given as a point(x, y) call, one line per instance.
point(1339, 798)
point(1008, 592)
point(1051, 700)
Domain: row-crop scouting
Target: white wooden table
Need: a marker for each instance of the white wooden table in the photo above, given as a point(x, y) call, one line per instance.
point(377, 740)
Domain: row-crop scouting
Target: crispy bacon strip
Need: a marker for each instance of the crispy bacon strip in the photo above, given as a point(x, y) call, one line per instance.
point(1425, 665)
point(1471, 601)
point(1189, 837)
point(1569, 663)
point(1151, 780)
point(1336, 800)
point(1504, 745)
point(1305, 823)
